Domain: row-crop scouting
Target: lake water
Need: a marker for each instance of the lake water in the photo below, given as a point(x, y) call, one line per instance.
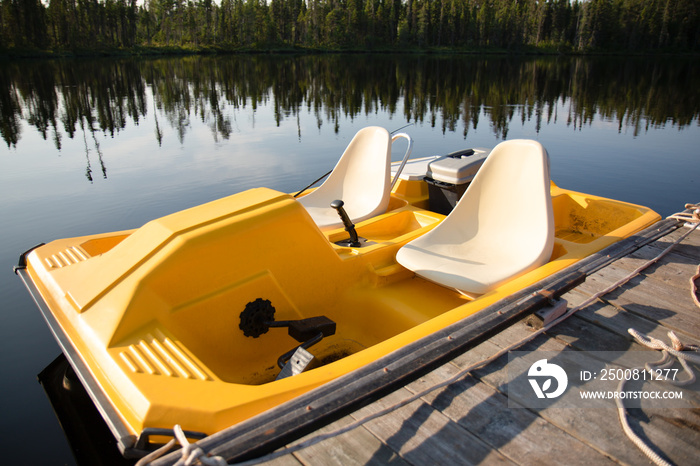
point(102, 145)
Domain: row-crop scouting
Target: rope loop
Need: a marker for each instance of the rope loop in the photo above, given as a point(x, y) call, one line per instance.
point(191, 453)
point(678, 351)
point(690, 217)
point(682, 352)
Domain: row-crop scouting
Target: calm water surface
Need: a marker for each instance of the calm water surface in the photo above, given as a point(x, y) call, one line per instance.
point(99, 145)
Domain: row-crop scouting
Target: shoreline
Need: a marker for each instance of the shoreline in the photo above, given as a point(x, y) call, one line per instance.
point(173, 51)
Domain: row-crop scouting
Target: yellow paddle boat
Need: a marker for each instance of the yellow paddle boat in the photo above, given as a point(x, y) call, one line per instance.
point(210, 316)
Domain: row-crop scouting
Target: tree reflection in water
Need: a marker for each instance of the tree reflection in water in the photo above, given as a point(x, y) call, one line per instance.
point(64, 98)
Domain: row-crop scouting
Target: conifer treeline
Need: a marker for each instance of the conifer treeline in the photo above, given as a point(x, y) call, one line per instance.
point(578, 25)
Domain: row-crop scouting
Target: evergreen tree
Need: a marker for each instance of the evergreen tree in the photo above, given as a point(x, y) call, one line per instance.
point(578, 25)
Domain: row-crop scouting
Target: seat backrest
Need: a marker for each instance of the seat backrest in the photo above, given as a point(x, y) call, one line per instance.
point(361, 179)
point(501, 228)
point(508, 201)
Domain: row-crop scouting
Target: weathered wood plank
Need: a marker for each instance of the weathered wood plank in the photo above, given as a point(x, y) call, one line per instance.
point(597, 428)
point(423, 435)
point(619, 321)
point(582, 335)
point(519, 434)
point(672, 270)
point(690, 246)
point(355, 447)
point(681, 425)
point(286, 460)
point(648, 298)
point(670, 433)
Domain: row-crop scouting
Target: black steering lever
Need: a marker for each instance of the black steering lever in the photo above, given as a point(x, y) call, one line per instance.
point(349, 227)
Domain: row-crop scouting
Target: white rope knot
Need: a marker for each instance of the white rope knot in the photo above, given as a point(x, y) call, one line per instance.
point(690, 217)
point(191, 453)
point(681, 352)
point(677, 343)
point(696, 211)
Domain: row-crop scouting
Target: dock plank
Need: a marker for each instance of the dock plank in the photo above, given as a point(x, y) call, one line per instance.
point(423, 435)
point(672, 270)
point(619, 321)
point(355, 447)
point(604, 327)
point(648, 298)
point(690, 246)
point(597, 428)
point(660, 438)
point(517, 433)
point(673, 433)
point(286, 460)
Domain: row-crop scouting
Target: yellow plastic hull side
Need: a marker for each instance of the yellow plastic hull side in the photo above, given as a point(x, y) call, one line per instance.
point(155, 312)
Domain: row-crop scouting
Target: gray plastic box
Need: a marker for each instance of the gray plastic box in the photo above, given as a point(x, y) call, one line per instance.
point(449, 176)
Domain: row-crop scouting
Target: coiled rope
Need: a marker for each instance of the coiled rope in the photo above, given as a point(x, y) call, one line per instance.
point(671, 354)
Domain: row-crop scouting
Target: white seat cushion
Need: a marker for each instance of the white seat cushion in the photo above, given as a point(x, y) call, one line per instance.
point(361, 178)
point(502, 227)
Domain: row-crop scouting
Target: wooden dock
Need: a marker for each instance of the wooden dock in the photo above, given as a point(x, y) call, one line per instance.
point(469, 421)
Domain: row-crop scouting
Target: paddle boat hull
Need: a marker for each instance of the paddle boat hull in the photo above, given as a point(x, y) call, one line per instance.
point(152, 319)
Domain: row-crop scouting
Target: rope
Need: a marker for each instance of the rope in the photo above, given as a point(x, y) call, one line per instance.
point(677, 350)
point(627, 429)
point(191, 453)
point(671, 354)
point(694, 287)
point(314, 182)
point(690, 217)
point(156, 454)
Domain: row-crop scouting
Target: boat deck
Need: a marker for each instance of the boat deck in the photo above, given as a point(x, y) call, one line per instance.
point(469, 421)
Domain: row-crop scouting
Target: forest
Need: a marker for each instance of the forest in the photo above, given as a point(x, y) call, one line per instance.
point(578, 26)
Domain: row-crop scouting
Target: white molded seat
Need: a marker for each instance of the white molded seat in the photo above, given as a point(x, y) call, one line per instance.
point(502, 227)
point(361, 178)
